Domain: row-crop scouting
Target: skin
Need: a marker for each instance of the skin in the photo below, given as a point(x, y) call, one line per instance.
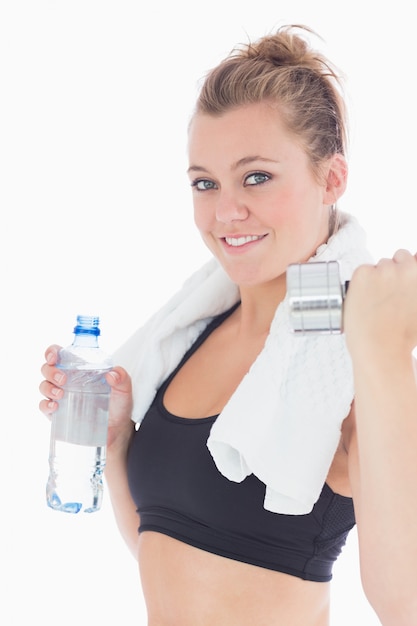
point(252, 179)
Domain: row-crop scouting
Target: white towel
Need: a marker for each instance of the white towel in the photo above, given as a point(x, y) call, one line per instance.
point(283, 423)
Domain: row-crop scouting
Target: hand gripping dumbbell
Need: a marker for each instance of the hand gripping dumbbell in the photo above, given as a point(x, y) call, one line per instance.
point(315, 296)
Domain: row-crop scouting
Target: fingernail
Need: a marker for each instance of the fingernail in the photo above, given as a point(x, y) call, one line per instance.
point(50, 357)
point(115, 376)
point(59, 378)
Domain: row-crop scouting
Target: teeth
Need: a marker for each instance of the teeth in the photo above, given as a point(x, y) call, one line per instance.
point(240, 241)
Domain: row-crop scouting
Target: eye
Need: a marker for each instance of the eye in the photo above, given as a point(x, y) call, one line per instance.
point(257, 178)
point(203, 184)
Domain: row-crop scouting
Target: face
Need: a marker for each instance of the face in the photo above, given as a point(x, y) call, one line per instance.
point(257, 203)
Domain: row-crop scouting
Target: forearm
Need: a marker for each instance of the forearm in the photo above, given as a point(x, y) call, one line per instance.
point(386, 481)
point(124, 508)
point(120, 432)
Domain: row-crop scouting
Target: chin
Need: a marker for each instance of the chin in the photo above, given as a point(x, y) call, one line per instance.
point(249, 278)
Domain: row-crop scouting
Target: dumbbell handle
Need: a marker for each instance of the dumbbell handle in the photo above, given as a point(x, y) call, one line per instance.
point(315, 296)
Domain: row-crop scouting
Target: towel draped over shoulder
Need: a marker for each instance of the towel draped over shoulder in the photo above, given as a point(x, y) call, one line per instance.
point(283, 423)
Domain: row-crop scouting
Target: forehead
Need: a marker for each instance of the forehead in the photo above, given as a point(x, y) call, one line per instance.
point(251, 129)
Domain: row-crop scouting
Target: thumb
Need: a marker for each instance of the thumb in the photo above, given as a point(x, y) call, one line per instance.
point(119, 380)
point(121, 390)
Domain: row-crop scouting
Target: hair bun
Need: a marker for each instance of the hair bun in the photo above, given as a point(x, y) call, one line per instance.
point(283, 68)
point(281, 48)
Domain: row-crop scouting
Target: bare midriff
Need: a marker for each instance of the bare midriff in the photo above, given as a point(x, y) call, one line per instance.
point(186, 586)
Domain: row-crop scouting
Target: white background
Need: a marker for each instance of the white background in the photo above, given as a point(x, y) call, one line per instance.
point(96, 216)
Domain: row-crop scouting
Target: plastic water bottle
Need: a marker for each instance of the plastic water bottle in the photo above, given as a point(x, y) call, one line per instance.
point(77, 453)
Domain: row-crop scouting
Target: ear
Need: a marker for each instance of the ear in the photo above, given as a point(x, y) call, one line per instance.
point(336, 179)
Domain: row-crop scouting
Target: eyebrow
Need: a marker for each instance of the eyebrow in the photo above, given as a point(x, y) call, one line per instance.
point(244, 161)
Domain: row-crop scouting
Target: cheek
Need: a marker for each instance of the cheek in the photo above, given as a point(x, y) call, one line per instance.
point(198, 217)
point(203, 215)
point(284, 211)
point(297, 204)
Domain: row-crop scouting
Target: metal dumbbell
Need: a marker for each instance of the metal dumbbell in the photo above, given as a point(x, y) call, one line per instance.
point(315, 295)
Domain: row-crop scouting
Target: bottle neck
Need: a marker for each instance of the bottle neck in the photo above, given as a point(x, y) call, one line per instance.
point(85, 340)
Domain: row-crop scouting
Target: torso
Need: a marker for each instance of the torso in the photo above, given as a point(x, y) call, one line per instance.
point(186, 586)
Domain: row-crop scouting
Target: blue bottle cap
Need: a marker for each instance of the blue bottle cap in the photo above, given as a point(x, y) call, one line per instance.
point(87, 324)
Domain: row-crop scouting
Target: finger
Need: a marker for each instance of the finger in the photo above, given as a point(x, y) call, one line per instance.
point(51, 354)
point(384, 261)
point(48, 407)
point(119, 380)
point(121, 396)
point(402, 256)
point(53, 374)
point(50, 391)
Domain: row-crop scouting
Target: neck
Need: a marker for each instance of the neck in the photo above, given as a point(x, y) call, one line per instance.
point(258, 306)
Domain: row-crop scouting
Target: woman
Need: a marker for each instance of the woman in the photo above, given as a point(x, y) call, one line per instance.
point(253, 459)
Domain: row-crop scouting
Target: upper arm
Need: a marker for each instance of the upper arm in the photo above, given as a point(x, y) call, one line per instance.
point(350, 443)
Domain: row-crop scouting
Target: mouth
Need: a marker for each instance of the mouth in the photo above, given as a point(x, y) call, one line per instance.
point(237, 242)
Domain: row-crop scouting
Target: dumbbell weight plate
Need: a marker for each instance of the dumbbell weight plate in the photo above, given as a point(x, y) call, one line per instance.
point(315, 296)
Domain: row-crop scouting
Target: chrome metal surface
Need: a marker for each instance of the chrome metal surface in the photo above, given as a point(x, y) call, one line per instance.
point(315, 296)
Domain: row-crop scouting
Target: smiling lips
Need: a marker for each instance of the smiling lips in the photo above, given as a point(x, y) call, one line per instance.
point(236, 242)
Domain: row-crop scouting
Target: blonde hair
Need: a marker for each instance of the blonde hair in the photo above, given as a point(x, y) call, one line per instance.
point(284, 70)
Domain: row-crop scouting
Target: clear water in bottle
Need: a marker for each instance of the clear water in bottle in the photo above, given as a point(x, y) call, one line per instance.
point(83, 489)
point(77, 454)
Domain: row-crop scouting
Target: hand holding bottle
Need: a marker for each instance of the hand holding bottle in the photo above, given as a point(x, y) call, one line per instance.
point(78, 384)
point(120, 425)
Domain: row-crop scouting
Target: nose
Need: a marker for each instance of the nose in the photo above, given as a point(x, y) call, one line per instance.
point(230, 207)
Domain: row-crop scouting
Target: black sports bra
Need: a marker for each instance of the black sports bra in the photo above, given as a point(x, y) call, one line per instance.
point(179, 492)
